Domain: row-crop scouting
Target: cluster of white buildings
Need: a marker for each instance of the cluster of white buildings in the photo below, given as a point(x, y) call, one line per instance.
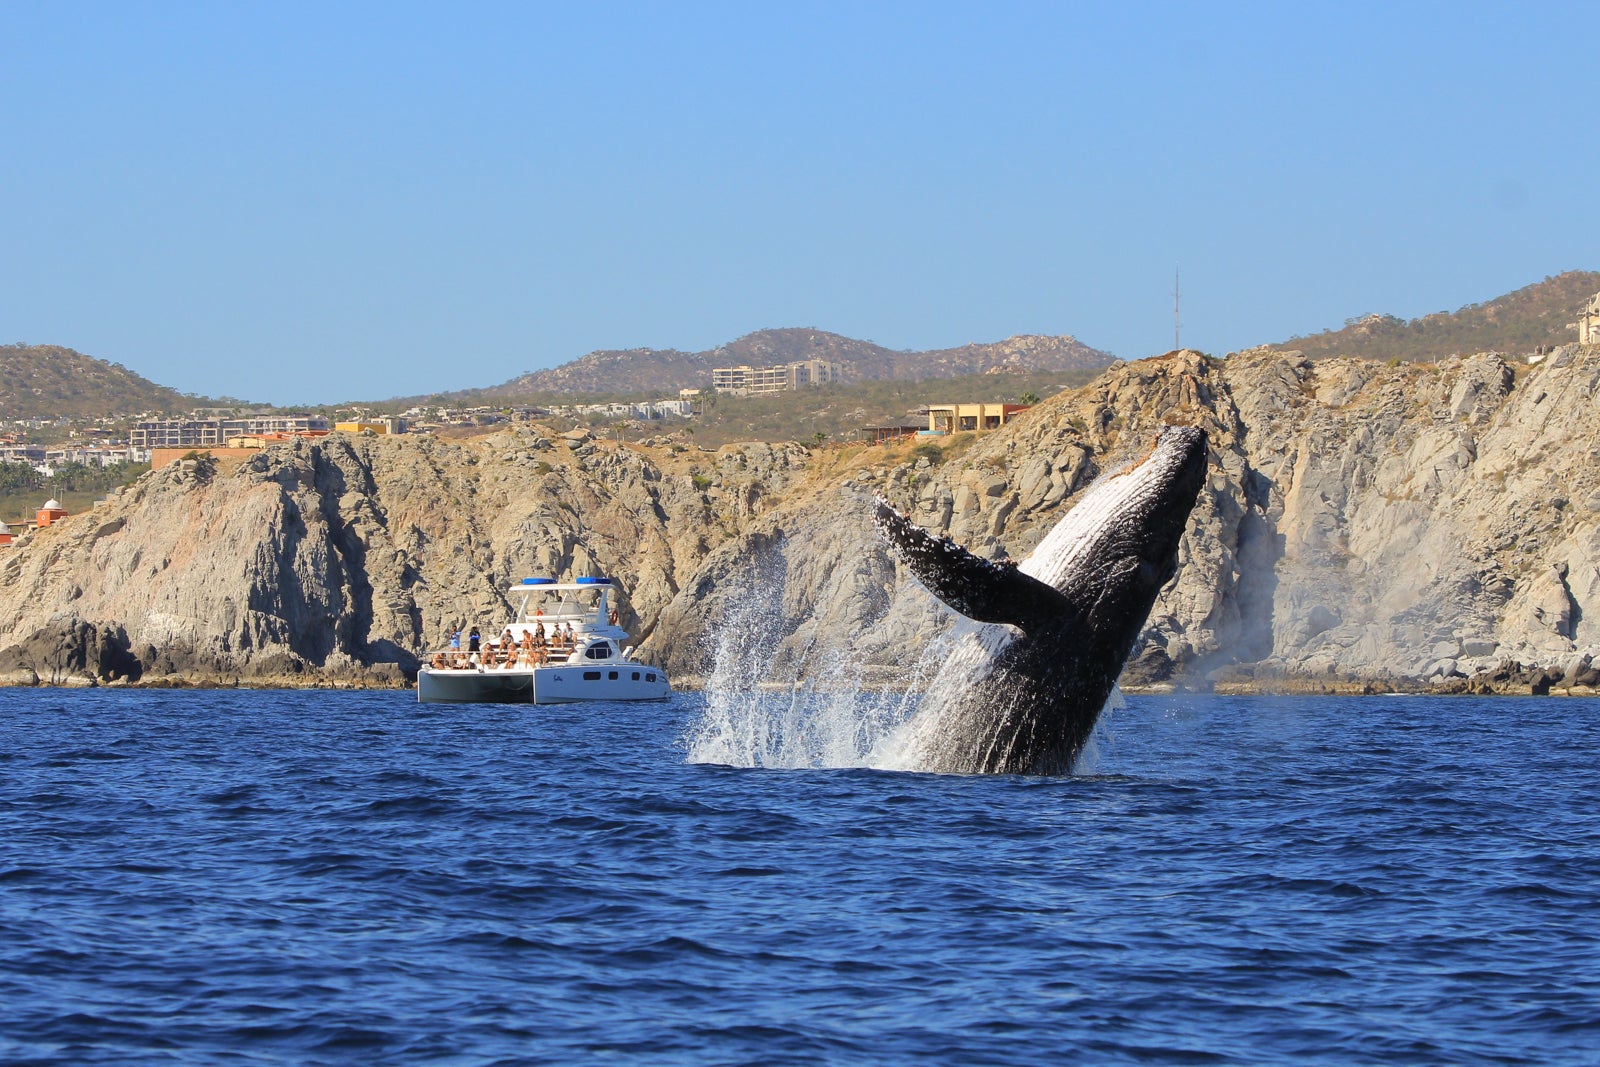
point(202, 430)
point(47, 460)
point(759, 381)
point(644, 410)
point(197, 432)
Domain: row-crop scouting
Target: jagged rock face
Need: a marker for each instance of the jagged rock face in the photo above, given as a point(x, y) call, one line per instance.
point(341, 560)
point(1433, 520)
point(1405, 524)
point(72, 652)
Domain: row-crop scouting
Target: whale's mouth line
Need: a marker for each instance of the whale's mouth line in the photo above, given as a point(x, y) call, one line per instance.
point(1118, 502)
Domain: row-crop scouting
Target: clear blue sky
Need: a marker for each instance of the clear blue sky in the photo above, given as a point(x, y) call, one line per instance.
point(316, 202)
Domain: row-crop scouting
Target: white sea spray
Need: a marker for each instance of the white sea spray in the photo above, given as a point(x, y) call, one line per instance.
point(825, 707)
point(816, 709)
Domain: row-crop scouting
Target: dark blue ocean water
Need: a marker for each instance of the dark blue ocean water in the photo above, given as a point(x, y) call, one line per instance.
point(336, 878)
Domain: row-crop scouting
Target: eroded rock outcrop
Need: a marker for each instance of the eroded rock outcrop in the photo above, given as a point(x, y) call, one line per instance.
point(1362, 525)
point(339, 561)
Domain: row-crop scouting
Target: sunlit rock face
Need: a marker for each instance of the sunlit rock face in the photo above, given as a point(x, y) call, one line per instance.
point(340, 560)
point(1411, 524)
point(1362, 524)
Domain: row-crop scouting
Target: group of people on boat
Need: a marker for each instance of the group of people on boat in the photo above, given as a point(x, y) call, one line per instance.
point(535, 649)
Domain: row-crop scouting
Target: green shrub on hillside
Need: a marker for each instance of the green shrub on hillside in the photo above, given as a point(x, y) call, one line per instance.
point(1533, 317)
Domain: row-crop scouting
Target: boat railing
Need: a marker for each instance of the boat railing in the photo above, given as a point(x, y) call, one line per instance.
point(571, 612)
point(492, 657)
point(573, 618)
point(565, 606)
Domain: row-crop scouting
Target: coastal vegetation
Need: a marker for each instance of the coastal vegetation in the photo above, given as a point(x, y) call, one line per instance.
point(74, 485)
point(1534, 317)
point(840, 413)
point(52, 382)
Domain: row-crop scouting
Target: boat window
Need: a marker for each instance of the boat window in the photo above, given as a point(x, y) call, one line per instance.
point(599, 651)
point(591, 676)
point(636, 676)
point(649, 677)
point(612, 676)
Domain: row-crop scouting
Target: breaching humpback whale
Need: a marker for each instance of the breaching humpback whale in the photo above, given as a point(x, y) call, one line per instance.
point(1025, 700)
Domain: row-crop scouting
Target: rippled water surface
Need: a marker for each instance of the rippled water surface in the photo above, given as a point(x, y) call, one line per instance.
point(334, 878)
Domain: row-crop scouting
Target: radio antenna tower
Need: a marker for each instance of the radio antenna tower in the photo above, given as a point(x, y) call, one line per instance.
point(1177, 323)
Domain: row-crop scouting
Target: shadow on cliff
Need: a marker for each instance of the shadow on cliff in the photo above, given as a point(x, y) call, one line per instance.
point(1257, 548)
point(347, 565)
point(71, 651)
point(1238, 631)
point(317, 586)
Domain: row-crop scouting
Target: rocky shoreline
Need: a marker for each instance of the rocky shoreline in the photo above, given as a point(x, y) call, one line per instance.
point(1364, 527)
point(1538, 686)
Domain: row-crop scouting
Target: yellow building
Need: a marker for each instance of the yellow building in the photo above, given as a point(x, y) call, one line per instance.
point(389, 425)
point(958, 418)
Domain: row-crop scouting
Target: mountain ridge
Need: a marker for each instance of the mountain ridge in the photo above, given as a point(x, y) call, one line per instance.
point(637, 370)
point(1525, 320)
point(52, 381)
point(40, 381)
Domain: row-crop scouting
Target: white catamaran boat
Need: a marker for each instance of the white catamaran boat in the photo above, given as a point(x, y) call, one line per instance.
point(564, 646)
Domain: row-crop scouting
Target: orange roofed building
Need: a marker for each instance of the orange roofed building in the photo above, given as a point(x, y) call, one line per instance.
point(51, 512)
point(262, 440)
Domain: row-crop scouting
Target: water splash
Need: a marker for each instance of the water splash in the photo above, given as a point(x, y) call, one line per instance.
point(770, 705)
point(1104, 735)
point(965, 651)
point(828, 708)
point(823, 706)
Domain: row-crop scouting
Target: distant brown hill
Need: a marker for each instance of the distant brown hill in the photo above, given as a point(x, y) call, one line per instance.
point(1532, 317)
point(641, 370)
point(48, 381)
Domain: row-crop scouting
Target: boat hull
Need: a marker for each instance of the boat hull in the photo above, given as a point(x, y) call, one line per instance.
point(556, 684)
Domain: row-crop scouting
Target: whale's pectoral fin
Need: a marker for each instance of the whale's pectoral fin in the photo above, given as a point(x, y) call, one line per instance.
point(980, 589)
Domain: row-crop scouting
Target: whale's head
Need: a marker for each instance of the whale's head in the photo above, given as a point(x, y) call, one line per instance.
point(1119, 545)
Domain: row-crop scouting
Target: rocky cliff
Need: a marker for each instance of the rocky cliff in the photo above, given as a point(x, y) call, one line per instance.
point(1364, 525)
point(1414, 525)
point(339, 560)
